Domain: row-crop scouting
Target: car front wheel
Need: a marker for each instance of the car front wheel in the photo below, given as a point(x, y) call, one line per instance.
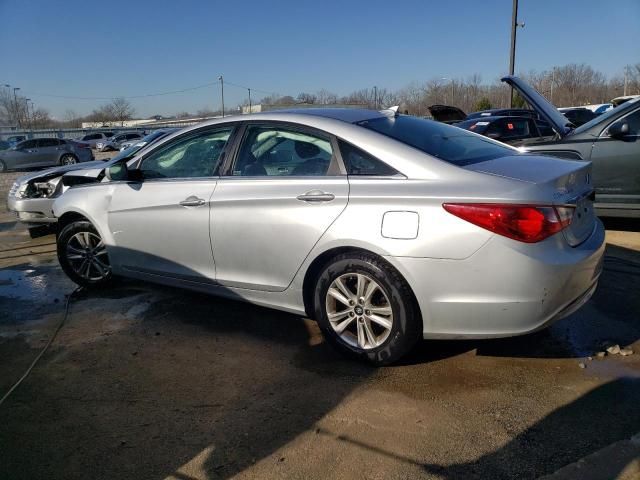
point(366, 309)
point(83, 255)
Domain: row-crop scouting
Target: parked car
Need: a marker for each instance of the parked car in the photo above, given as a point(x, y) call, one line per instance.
point(385, 228)
point(4, 145)
point(625, 98)
point(95, 137)
point(151, 137)
point(578, 115)
point(446, 113)
point(44, 152)
point(15, 139)
point(512, 130)
point(31, 197)
point(611, 141)
point(503, 112)
point(114, 142)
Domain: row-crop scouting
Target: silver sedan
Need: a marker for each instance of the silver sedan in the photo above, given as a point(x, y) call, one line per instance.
point(385, 228)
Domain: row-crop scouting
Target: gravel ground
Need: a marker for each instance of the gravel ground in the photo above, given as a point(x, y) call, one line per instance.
point(150, 382)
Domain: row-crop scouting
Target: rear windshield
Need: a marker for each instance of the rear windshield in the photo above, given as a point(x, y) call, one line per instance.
point(451, 144)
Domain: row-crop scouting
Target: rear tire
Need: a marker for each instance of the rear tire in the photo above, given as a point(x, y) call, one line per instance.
point(68, 159)
point(83, 255)
point(366, 309)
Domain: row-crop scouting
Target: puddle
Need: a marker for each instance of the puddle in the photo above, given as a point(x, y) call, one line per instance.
point(34, 285)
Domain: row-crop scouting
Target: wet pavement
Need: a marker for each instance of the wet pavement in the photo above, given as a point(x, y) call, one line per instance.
point(150, 382)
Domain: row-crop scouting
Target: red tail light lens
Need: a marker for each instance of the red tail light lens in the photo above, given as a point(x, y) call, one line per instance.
point(525, 223)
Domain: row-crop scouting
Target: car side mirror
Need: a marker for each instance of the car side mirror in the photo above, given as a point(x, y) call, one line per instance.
point(619, 129)
point(117, 172)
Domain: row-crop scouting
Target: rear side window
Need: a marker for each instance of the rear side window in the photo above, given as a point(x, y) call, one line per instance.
point(48, 142)
point(451, 144)
point(359, 162)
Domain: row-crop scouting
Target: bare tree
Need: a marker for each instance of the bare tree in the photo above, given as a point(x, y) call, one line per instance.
point(121, 109)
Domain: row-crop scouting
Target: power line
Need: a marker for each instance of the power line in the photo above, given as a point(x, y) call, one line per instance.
point(159, 94)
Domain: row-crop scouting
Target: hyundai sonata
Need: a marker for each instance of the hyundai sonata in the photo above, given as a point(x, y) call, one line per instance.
point(385, 228)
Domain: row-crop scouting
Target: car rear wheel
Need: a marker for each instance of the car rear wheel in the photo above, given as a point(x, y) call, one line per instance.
point(83, 255)
point(68, 159)
point(366, 309)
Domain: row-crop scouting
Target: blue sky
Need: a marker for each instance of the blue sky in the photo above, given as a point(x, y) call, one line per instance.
point(81, 48)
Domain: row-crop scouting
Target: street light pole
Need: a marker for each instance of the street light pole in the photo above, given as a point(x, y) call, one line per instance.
point(222, 91)
point(375, 97)
point(249, 99)
point(512, 57)
point(29, 123)
point(15, 101)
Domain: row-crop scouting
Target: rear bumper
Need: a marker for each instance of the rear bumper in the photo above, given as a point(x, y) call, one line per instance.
point(506, 288)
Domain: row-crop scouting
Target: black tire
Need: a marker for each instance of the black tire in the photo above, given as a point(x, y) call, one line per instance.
point(3, 166)
point(406, 328)
point(70, 266)
point(68, 159)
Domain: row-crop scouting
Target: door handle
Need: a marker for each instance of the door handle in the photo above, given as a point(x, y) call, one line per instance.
point(192, 202)
point(316, 196)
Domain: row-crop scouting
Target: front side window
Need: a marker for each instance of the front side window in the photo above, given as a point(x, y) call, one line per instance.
point(26, 144)
point(450, 144)
point(359, 162)
point(277, 152)
point(187, 157)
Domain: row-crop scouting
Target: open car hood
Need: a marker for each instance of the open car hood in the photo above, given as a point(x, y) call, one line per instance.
point(446, 113)
point(545, 109)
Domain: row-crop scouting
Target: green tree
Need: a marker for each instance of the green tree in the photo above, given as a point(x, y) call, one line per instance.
point(483, 104)
point(518, 101)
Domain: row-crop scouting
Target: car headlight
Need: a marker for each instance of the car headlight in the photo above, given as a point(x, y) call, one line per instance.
point(18, 190)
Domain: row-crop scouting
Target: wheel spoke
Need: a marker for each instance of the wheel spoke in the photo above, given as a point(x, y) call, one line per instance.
point(87, 239)
point(337, 316)
point(74, 250)
point(339, 328)
point(338, 296)
point(78, 237)
point(371, 288)
point(343, 288)
point(362, 285)
point(96, 264)
point(383, 322)
point(380, 310)
point(369, 334)
point(75, 256)
point(362, 342)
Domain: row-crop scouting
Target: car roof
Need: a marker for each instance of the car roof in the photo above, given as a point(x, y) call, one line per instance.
point(349, 115)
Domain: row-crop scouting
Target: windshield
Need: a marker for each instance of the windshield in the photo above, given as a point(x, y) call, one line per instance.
point(129, 152)
point(628, 106)
point(451, 144)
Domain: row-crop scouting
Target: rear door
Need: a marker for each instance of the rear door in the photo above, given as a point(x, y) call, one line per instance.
point(160, 225)
point(49, 151)
point(278, 196)
point(24, 156)
point(616, 165)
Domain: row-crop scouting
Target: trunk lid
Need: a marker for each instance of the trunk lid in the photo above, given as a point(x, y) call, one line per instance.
point(563, 182)
point(447, 113)
point(545, 109)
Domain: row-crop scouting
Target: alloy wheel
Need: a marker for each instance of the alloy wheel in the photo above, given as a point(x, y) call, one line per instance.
point(87, 256)
point(359, 310)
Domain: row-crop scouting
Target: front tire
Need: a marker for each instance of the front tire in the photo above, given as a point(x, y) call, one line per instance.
point(83, 255)
point(366, 309)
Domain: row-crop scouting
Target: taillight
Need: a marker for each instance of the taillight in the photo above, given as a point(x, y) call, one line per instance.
point(525, 223)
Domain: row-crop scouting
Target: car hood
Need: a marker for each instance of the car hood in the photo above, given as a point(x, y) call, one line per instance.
point(61, 170)
point(545, 109)
point(446, 113)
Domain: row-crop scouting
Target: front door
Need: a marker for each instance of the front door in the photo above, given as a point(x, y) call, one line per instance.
point(160, 225)
point(278, 197)
point(616, 165)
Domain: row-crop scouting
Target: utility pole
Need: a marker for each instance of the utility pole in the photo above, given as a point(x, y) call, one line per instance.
point(222, 90)
point(15, 101)
point(249, 99)
point(512, 58)
point(26, 104)
point(553, 80)
point(375, 97)
point(626, 79)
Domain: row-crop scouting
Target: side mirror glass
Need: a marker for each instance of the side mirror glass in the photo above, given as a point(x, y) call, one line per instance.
point(619, 129)
point(117, 172)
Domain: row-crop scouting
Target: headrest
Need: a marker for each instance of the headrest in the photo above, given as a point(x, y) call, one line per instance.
point(306, 150)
